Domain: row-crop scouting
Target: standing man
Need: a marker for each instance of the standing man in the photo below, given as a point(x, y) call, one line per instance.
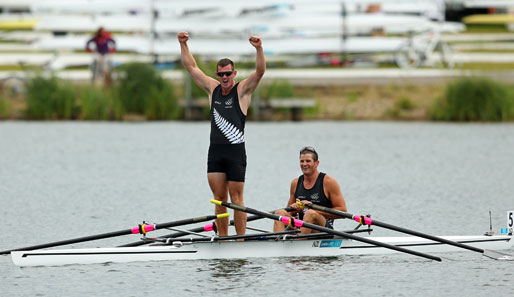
point(312, 187)
point(104, 46)
point(229, 101)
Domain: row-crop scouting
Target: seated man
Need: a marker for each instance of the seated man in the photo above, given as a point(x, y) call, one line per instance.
point(312, 187)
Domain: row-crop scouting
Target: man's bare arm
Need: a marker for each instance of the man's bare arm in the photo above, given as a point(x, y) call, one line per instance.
point(201, 79)
point(249, 84)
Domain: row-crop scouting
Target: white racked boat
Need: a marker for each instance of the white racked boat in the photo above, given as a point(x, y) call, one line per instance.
point(184, 250)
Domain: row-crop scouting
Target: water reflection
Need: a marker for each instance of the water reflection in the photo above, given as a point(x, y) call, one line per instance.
point(227, 275)
point(229, 268)
point(310, 263)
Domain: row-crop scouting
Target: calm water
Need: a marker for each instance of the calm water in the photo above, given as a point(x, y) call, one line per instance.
point(65, 180)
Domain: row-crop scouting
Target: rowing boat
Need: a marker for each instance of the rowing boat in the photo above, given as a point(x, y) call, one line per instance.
point(264, 248)
point(324, 243)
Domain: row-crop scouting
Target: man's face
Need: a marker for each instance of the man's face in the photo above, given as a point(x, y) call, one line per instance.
point(226, 76)
point(307, 164)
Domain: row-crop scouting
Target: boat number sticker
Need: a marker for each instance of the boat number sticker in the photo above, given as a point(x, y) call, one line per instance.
point(330, 243)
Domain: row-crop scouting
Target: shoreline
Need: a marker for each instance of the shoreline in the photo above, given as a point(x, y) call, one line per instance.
point(340, 94)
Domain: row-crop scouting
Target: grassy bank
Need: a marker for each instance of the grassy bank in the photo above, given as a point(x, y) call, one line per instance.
point(141, 93)
point(390, 102)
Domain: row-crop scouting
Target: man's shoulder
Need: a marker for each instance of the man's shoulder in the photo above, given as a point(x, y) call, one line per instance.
point(327, 180)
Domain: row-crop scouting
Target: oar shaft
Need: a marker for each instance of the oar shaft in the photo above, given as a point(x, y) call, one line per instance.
point(140, 229)
point(257, 217)
point(369, 221)
point(300, 223)
point(208, 227)
point(189, 221)
point(70, 241)
point(198, 230)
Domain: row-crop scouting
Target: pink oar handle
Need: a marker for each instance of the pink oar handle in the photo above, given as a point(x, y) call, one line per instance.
point(142, 229)
point(291, 222)
point(363, 220)
point(208, 227)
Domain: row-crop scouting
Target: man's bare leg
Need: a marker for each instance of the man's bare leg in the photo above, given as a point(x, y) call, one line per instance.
point(313, 217)
point(279, 226)
point(235, 190)
point(218, 184)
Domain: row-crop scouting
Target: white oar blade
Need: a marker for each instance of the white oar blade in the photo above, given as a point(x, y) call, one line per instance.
point(498, 255)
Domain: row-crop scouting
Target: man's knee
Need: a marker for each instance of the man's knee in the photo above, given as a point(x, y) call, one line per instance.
point(312, 216)
point(235, 191)
point(282, 212)
point(237, 199)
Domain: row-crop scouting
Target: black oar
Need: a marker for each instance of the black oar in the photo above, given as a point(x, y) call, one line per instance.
point(300, 223)
point(208, 227)
point(141, 229)
point(369, 221)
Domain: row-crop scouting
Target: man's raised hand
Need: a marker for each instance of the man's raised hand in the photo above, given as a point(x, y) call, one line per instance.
point(255, 41)
point(183, 37)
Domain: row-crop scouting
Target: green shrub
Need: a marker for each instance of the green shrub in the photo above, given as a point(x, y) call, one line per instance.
point(475, 99)
point(117, 109)
point(162, 104)
point(49, 98)
point(278, 89)
point(5, 108)
point(142, 90)
point(95, 104)
point(404, 103)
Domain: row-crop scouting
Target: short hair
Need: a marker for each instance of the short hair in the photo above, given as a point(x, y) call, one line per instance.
point(224, 62)
point(309, 150)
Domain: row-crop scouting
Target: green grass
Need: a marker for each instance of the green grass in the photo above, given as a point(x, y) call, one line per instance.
point(95, 103)
point(142, 90)
point(5, 108)
point(278, 89)
point(49, 98)
point(352, 97)
point(404, 103)
point(475, 99)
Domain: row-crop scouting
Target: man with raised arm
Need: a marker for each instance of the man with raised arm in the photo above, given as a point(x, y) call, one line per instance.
point(229, 101)
point(312, 186)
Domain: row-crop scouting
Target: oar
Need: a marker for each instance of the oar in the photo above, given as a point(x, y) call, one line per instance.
point(255, 236)
point(141, 229)
point(300, 223)
point(369, 221)
point(207, 227)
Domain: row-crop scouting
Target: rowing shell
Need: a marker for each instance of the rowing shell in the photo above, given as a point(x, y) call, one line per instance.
point(183, 250)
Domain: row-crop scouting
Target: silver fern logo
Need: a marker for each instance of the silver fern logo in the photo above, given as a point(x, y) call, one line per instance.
point(230, 131)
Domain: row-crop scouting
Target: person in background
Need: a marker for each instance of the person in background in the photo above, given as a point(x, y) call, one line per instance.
point(229, 101)
point(312, 186)
point(103, 45)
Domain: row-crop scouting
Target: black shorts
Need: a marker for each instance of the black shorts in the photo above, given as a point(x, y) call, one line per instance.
point(228, 158)
point(329, 223)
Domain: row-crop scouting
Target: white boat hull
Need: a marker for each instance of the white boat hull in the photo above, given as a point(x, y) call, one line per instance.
point(249, 249)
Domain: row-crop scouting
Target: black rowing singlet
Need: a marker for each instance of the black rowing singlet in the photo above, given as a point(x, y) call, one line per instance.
point(316, 194)
point(227, 119)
